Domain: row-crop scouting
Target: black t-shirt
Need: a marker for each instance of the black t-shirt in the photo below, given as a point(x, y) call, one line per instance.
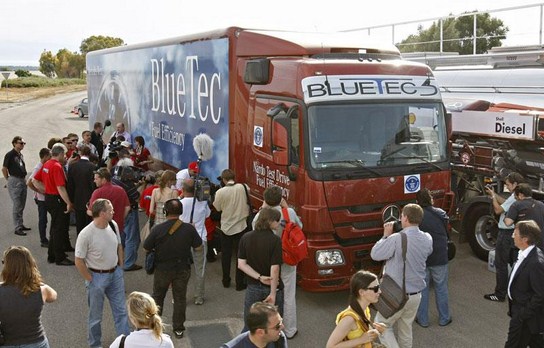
point(15, 163)
point(172, 251)
point(260, 249)
point(527, 209)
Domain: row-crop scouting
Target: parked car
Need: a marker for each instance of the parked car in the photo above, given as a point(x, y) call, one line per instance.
point(82, 108)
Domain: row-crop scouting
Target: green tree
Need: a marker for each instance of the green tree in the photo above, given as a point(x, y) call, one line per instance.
point(47, 63)
point(458, 35)
point(22, 73)
point(64, 64)
point(99, 42)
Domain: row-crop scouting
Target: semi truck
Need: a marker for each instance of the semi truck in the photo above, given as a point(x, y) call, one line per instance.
point(349, 131)
point(497, 106)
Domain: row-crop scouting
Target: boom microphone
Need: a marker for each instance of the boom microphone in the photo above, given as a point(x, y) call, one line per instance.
point(203, 146)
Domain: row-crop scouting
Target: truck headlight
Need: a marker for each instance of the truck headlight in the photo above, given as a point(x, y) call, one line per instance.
point(332, 257)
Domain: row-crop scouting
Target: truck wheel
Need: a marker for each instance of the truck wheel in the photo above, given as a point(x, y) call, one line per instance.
point(80, 113)
point(480, 227)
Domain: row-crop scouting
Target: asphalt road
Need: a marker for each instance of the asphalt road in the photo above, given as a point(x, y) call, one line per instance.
point(476, 322)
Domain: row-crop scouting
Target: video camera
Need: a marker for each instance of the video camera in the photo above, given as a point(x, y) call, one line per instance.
point(128, 173)
point(114, 146)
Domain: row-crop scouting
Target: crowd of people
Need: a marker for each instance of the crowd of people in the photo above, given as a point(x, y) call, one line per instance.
point(101, 188)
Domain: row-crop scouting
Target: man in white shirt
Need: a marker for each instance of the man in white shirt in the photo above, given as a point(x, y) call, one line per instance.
point(190, 172)
point(120, 131)
point(232, 202)
point(195, 212)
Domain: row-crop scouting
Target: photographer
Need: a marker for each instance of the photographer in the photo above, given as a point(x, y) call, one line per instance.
point(389, 249)
point(126, 176)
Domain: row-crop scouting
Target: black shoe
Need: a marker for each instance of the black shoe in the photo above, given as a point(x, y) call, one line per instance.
point(211, 259)
point(50, 260)
point(494, 298)
point(44, 244)
point(65, 262)
point(179, 333)
point(226, 283)
point(24, 228)
point(134, 267)
point(20, 232)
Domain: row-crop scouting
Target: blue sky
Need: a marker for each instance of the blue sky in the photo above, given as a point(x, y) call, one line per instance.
point(27, 27)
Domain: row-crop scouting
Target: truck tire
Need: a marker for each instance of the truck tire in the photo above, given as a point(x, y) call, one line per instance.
point(479, 225)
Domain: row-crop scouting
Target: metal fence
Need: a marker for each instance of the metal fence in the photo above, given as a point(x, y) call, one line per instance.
point(525, 24)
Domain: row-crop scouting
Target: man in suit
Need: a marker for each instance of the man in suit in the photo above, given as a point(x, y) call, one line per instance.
point(526, 289)
point(80, 186)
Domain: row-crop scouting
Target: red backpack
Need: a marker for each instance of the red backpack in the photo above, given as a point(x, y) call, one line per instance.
point(293, 241)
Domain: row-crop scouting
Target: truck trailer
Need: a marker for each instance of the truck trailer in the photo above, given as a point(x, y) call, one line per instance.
point(349, 131)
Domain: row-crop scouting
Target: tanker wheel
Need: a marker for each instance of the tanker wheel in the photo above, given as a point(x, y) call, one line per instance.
point(481, 229)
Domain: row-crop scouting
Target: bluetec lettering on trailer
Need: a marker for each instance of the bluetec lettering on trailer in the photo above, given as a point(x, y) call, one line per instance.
point(412, 183)
point(353, 87)
point(167, 94)
point(258, 136)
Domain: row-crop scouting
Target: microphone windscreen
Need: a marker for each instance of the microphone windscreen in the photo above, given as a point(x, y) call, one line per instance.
point(107, 123)
point(203, 146)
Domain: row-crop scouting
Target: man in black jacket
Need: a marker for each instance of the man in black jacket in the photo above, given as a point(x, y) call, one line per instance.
point(80, 186)
point(172, 241)
point(526, 289)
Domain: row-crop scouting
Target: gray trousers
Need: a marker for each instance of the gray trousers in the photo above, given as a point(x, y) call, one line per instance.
point(17, 192)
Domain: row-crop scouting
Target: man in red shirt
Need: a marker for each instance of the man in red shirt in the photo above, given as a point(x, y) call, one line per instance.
point(115, 194)
point(58, 204)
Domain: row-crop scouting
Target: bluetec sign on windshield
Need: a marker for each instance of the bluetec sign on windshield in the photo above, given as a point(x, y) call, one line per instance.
point(168, 95)
point(352, 87)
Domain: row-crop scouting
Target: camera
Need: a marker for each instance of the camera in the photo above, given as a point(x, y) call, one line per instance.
point(203, 191)
point(397, 226)
point(128, 173)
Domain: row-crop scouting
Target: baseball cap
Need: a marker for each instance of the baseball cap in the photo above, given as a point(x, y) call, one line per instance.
point(194, 167)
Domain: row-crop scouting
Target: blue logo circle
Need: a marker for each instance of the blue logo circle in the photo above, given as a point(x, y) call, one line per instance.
point(258, 136)
point(412, 184)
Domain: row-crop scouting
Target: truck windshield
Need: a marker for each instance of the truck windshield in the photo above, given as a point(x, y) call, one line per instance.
point(376, 135)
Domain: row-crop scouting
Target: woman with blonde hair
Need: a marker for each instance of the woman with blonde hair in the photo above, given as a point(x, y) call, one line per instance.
point(162, 194)
point(22, 295)
point(353, 325)
point(143, 313)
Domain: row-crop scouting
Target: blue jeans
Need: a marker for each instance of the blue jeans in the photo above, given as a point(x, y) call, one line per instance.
point(256, 293)
point(42, 344)
point(439, 276)
point(42, 220)
point(112, 286)
point(17, 192)
point(132, 238)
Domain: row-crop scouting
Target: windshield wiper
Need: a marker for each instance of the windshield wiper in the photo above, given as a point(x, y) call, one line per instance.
point(384, 157)
point(356, 162)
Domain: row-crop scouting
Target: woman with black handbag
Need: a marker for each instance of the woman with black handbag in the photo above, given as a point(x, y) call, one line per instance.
point(22, 296)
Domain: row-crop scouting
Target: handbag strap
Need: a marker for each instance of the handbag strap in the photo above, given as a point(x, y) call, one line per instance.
point(122, 343)
point(247, 199)
point(404, 240)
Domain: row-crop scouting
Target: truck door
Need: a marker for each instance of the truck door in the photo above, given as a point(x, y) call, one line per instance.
point(276, 145)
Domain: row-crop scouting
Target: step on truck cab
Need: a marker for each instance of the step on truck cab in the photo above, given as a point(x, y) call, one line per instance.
point(350, 132)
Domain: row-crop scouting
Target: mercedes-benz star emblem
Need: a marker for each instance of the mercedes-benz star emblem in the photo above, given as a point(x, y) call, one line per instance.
point(391, 213)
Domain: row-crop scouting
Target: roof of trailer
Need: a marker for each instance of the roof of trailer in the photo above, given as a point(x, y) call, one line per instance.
point(255, 42)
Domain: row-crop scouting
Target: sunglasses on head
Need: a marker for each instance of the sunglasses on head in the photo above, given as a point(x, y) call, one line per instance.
point(374, 288)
